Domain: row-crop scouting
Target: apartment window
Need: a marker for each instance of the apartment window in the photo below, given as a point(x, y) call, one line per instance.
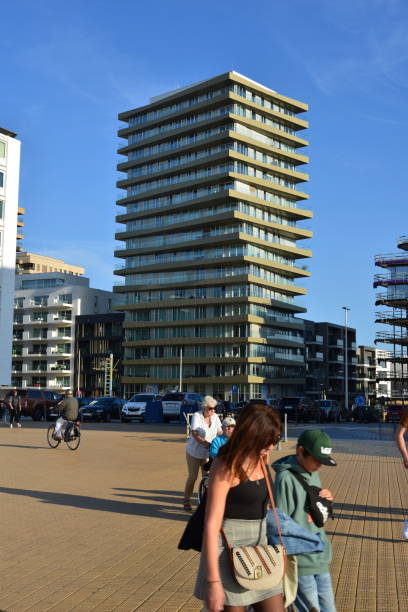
point(1, 209)
point(2, 148)
point(1, 179)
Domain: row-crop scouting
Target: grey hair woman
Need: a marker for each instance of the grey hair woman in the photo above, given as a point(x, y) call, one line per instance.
point(205, 426)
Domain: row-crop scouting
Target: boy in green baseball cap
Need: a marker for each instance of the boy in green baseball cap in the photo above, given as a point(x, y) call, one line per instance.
point(297, 487)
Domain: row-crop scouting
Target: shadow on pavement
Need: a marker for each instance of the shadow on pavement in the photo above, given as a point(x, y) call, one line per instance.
point(148, 428)
point(363, 537)
point(157, 498)
point(24, 446)
point(361, 508)
point(150, 509)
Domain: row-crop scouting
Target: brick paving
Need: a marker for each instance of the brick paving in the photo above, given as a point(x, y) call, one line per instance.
point(97, 529)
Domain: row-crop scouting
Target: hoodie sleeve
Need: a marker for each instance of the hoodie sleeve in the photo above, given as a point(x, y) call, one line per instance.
point(285, 493)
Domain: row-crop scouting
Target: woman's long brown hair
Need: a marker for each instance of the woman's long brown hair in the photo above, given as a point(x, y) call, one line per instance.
point(258, 426)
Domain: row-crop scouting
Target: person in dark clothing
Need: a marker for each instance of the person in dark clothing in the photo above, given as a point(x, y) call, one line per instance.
point(68, 412)
point(14, 408)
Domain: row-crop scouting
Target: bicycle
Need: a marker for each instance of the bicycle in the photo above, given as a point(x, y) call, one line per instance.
point(72, 435)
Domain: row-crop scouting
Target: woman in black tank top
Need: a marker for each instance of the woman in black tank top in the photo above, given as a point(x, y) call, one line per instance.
point(237, 501)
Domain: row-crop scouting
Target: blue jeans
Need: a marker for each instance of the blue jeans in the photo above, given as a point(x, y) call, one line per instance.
point(315, 592)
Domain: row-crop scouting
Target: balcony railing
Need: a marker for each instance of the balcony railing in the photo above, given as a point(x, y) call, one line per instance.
point(396, 297)
point(390, 337)
point(390, 258)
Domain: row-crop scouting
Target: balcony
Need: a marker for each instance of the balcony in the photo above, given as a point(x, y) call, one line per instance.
point(392, 259)
point(390, 338)
point(62, 302)
point(38, 304)
point(396, 300)
point(385, 280)
point(316, 357)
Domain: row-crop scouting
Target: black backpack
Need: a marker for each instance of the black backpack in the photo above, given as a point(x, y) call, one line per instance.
point(319, 508)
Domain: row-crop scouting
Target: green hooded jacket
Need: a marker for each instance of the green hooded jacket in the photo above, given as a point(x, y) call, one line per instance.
point(290, 497)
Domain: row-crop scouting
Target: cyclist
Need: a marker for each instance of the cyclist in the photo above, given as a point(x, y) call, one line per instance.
point(69, 412)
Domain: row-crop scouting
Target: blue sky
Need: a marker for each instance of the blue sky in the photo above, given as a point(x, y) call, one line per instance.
point(68, 68)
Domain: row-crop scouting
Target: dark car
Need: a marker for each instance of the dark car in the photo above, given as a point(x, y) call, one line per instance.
point(37, 403)
point(298, 409)
point(102, 409)
point(393, 414)
point(366, 414)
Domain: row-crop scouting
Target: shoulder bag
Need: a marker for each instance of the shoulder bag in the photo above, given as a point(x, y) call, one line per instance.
point(319, 508)
point(259, 567)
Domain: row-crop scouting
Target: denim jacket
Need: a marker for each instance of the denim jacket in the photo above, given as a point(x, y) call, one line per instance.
point(296, 539)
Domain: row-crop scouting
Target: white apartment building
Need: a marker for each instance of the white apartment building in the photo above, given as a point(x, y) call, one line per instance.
point(9, 181)
point(383, 373)
point(45, 307)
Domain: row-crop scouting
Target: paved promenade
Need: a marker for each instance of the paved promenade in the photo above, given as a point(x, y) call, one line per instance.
point(97, 529)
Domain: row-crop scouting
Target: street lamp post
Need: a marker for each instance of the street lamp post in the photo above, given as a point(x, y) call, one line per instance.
point(346, 310)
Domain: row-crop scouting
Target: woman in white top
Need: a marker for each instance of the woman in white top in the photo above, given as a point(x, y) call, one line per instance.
point(205, 426)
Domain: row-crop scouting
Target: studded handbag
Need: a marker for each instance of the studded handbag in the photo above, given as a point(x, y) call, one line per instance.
point(259, 567)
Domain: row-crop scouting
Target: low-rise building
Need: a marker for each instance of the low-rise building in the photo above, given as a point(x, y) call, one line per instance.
point(45, 308)
point(98, 353)
point(325, 351)
point(33, 263)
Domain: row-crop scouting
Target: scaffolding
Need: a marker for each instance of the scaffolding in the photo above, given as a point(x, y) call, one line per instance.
point(395, 298)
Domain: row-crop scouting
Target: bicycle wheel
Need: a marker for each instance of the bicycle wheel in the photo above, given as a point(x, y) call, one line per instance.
point(202, 489)
point(51, 441)
point(73, 443)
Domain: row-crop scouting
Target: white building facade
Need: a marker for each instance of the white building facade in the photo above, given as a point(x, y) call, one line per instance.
point(9, 182)
point(45, 307)
point(383, 373)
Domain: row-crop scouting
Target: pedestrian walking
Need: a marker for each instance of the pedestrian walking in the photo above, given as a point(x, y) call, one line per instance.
point(237, 502)
point(402, 446)
point(293, 472)
point(205, 426)
point(14, 408)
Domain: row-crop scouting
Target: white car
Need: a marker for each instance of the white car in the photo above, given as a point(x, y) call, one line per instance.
point(135, 408)
point(173, 402)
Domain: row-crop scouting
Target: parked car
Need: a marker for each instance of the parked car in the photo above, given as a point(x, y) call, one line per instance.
point(37, 403)
point(135, 408)
point(329, 410)
point(393, 414)
point(102, 409)
point(172, 403)
point(298, 409)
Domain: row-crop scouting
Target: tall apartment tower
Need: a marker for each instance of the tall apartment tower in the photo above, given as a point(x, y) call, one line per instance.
point(9, 221)
point(210, 217)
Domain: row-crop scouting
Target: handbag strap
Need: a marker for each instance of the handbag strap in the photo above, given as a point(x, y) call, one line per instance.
point(268, 485)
